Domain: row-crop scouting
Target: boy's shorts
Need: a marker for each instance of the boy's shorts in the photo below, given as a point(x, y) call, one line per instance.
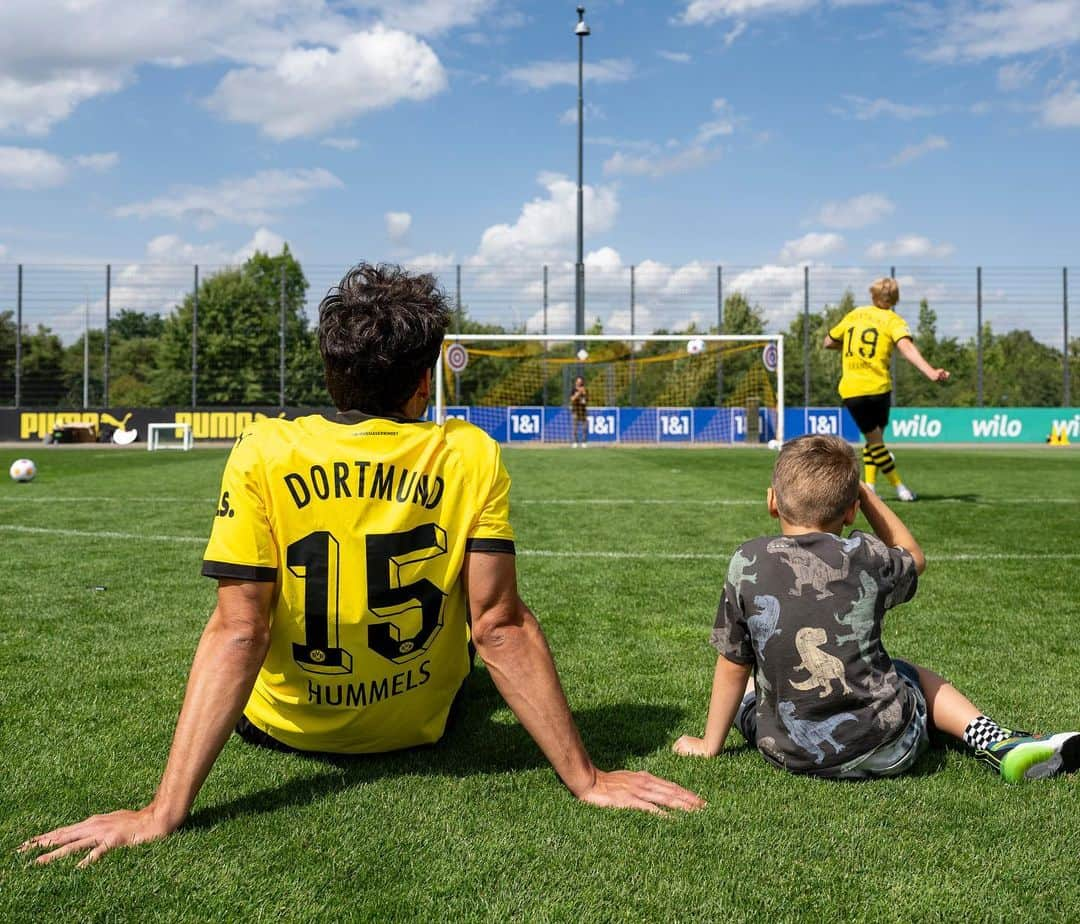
point(891, 759)
point(870, 411)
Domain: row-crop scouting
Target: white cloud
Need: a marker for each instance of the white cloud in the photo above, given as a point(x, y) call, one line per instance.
point(543, 74)
point(731, 36)
point(430, 17)
point(32, 106)
point(98, 162)
point(691, 158)
point(863, 108)
point(309, 90)
point(397, 225)
point(546, 226)
point(1016, 75)
point(248, 201)
point(3, 252)
point(172, 249)
point(856, 212)
point(676, 57)
point(341, 144)
point(677, 157)
point(1062, 110)
point(30, 168)
point(908, 246)
point(811, 246)
point(430, 262)
point(592, 114)
point(971, 31)
point(708, 11)
point(914, 151)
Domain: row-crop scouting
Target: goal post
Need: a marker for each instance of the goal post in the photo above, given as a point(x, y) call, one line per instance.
point(168, 436)
point(639, 388)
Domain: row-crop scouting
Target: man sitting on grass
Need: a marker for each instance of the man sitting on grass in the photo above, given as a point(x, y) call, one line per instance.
point(803, 611)
point(349, 556)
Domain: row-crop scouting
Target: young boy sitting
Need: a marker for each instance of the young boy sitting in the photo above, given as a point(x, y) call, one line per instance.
point(803, 611)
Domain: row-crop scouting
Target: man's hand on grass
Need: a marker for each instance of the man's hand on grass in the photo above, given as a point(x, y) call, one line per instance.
point(641, 791)
point(99, 834)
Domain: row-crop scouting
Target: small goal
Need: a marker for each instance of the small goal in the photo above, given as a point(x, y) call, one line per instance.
point(169, 436)
point(639, 389)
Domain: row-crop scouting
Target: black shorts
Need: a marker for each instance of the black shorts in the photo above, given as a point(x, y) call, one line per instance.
point(869, 411)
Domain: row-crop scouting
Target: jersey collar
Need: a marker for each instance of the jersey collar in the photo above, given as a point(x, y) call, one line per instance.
point(355, 417)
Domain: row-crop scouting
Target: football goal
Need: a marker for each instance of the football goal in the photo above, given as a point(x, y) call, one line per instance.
point(599, 388)
point(168, 436)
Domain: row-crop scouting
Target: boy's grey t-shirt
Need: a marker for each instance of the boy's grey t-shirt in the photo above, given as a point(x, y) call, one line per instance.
point(806, 611)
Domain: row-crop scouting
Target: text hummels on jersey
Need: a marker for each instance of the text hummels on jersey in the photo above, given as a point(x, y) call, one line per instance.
point(361, 479)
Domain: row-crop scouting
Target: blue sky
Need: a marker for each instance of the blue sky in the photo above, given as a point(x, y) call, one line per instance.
point(742, 132)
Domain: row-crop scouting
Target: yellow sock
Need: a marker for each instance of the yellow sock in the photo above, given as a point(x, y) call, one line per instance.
point(883, 459)
point(870, 466)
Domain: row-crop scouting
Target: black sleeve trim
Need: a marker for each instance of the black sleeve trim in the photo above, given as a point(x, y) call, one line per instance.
point(224, 569)
point(490, 545)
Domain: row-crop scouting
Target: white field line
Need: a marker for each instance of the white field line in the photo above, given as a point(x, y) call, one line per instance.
point(537, 553)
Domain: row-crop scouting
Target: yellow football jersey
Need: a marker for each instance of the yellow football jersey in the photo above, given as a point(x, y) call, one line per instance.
point(867, 336)
point(363, 524)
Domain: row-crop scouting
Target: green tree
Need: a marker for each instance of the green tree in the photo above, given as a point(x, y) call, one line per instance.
point(43, 382)
point(7, 357)
point(239, 315)
point(824, 364)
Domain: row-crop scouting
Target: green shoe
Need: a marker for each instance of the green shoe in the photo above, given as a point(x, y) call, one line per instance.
point(1033, 757)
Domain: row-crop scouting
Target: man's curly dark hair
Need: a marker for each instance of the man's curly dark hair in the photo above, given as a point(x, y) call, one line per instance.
point(380, 328)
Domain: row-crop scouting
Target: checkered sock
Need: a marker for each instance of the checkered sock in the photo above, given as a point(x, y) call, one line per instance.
point(983, 732)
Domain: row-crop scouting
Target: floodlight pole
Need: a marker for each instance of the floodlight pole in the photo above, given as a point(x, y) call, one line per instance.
point(581, 30)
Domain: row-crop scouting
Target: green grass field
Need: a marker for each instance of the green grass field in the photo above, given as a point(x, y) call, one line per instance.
point(622, 553)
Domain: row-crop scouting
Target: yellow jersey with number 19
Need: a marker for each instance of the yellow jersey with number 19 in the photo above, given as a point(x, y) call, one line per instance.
point(867, 336)
point(363, 525)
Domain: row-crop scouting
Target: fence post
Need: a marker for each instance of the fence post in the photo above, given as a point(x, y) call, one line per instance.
point(720, 330)
point(1065, 334)
point(195, 340)
point(894, 366)
point(633, 327)
point(545, 298)
point(457, 303)
point(18, 341)
point(281, 343)
point(108, 307)
point(978, 338)
point(806, 336)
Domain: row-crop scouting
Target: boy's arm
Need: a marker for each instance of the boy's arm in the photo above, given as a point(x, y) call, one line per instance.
point(729, 685)
point(888, 527)
point(831, 344)
point(911, 353)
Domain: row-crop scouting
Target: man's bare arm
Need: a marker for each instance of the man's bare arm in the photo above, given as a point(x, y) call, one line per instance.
point(831, 344)
point(509, 640)
point(911, 353)
point(223, 672)
point(888, 527)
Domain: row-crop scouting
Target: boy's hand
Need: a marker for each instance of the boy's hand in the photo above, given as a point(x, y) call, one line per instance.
point(941, 375)
point(689, 746)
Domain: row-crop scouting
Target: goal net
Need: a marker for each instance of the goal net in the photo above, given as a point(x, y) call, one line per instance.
point(168, 436)
point(657, 388)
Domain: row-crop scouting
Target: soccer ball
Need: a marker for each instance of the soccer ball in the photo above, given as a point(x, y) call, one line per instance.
point(22, 470)
point(583, 354)
point(774, 444)
point(695, 346)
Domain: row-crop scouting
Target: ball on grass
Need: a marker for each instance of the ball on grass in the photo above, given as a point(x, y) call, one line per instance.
point(22, 470)
point(774, 444)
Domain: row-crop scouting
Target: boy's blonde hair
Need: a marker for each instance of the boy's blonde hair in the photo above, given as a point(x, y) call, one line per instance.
point(816, 480)
point(885, 293)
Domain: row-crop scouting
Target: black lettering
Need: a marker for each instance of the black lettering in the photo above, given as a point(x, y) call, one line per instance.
point(319, 482)
point(295, 483)
point(379, 690)
point(341, 472)
point(424, 672)
point(398, 686)
point(405, 486)
point(314, 693)
point(361, 472)
point(382, 485)
point(420, 495)
point(224, 510)
point(436, 493)
point(355, 695)
point(330, 695)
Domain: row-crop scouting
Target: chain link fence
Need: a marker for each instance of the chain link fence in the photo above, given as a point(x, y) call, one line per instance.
point(141, 334)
